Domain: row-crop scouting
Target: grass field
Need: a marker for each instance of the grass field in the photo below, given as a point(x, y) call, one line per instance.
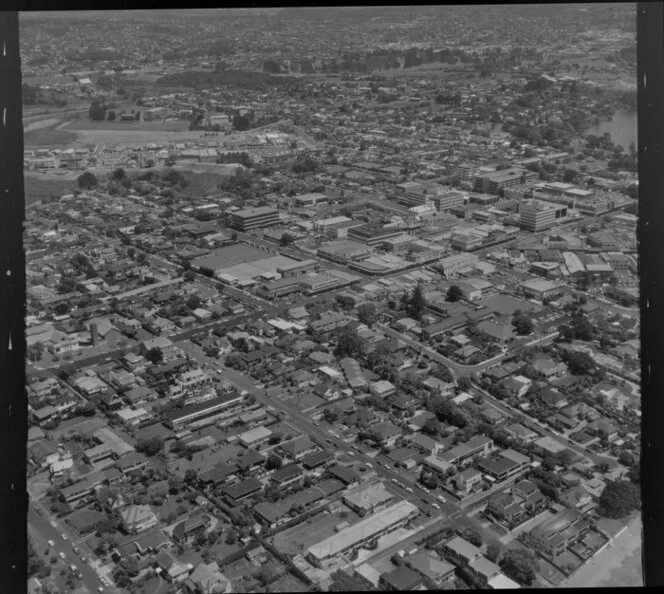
point(37, 188)
point(288, 583)
point(48, 137)
point(85, 124)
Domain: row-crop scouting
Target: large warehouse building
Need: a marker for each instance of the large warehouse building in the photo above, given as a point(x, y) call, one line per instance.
point(370, 528)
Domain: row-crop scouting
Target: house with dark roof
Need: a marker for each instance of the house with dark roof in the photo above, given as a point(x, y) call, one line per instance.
point(388, 433)
point(317, 459)
point(506, 507)
point(297, 448)
point(288, 477)
point(553, 398)
point(242, 490)
point(187, 530)
point(219, 474)
point(401, 579)
point(430, 566)
point(528, 496)
point(346, 475)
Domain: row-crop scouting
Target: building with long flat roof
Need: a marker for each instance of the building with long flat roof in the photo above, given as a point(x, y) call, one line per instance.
point(254, 218)
point(370, 528)
point(536, 215)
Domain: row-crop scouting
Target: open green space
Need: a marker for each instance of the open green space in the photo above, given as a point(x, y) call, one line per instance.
point(38, 188)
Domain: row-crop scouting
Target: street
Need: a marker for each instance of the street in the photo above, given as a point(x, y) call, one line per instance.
point(47, 532)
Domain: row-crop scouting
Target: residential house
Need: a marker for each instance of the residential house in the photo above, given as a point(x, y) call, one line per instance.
point(401, 579)
point(467, 481)
point(578, 499)
point(553, 398)
point(137, 518)
point(461, 550)
point(429, 565)
point(528, 496)
point(186, 531)
point(516, 386)
point(554, 535)
point(506, 507)
point(173, 570)
point(208, 579)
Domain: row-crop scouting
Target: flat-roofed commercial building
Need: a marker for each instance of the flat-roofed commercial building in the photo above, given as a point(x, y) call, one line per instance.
point(373, 235)
point(494, 182)
point(213, 409)
point(448, 200)
point(311, 199)
point(536, 215)
point(541, 288)
point(349, 539)
point(254, 218)
point(345, 251)
point(450, 265)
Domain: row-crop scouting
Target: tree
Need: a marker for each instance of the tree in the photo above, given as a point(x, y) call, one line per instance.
point(61, 309)
point(87, 181)
point(454, 293)
point(286, 239)
point(492, 553)
point(579, 363)
point(519, 564)
point(465, 384)
point(66, 285)
point(97, 111)
point(273, 462)
point(111, 116)
point(522, 324)
point(431, 427)
point(190, 476)
point(35, 351)
point(150, 446)
point(367, 314)
point(349, 344)
point(193, 302)
point(231, 536)
point(416, 303)
point(619, 499)
point(472, 536)
point(154, 355)
point(118, 174)
point(345, 301)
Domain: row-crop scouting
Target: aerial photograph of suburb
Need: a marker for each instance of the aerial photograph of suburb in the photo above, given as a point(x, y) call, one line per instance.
point(332, 299)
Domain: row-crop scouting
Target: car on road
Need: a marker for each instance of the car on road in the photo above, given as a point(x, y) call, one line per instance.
point(40, 511)
point(51, 543)
point(63, 536)
point(408, 489)
point(369, 464)
point(441, 498)
point(316, 424)
point(62, 555)
point(385, 464)
point(395, 481)
point(76, 550)
point(435, 506)
point(84, 559)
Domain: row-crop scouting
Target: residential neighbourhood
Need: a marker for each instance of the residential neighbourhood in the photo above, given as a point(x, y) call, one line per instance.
point(331, 302)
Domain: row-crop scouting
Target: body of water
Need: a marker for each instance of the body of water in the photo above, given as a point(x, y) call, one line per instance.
point(622, 128)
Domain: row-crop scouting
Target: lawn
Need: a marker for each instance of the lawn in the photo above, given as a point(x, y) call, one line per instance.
point(288, 583)
point(40, 187)
point(177, 126)
point(48, 137)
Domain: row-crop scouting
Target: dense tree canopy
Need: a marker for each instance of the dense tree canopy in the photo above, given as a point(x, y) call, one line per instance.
point(519, 564)
point(619, 499)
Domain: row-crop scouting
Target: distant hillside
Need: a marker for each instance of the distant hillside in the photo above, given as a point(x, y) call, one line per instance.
point(237, 78)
